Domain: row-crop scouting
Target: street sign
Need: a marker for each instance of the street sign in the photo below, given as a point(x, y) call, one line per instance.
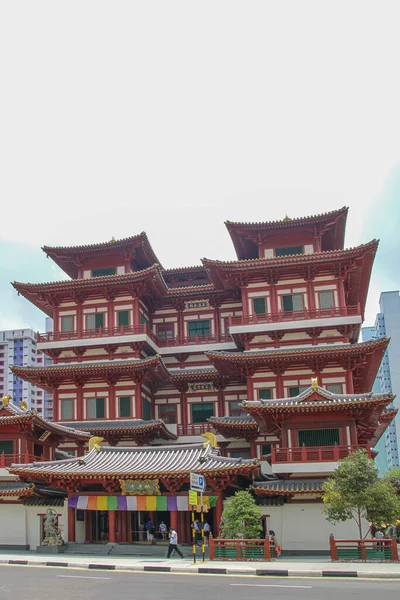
point(197, 482)
point(193, 499)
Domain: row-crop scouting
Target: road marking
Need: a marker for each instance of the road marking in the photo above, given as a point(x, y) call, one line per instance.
point(81, 577)
point(297, 587)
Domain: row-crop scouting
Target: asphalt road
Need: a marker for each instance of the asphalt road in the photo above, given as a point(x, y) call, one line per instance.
point(33, 583)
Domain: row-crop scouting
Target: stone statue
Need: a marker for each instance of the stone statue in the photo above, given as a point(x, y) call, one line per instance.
point(52, 534)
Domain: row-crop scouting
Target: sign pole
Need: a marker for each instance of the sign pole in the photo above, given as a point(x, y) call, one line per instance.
point(193, 538)
point(202, 526)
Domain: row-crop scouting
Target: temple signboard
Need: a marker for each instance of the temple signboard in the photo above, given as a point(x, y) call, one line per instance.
point(140, 487)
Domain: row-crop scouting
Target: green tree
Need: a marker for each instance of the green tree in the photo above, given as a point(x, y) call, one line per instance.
point(241, 517)
point(355, 492)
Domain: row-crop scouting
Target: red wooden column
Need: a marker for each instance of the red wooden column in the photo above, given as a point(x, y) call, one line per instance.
point(56, 408)
point(253, 449)
point(219, 508)
point(111, 399)
point(79, 401)
point(71, 524)
point(245, 305)
point(250, 390)
point(136, 314)
point(349, 382)
point(273, 298)
point(138, 398)
point(220, 386)
point(183, 387)
point(173, 520)
point(181, 526)
point(112, 526)
point(310, 294)
point(79, 316)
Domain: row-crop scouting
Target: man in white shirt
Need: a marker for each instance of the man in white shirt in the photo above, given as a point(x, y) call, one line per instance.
point(173, 543)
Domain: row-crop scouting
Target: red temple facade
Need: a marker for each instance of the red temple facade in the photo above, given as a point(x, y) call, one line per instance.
point(147, 355)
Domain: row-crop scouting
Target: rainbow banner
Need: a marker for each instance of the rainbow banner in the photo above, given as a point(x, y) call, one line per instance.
point(137, 503)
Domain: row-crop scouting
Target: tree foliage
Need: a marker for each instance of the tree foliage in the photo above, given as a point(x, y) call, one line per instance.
point(241, 517)
point(356, 492)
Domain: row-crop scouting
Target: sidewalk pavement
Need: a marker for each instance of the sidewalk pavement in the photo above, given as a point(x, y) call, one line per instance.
point(301, 567)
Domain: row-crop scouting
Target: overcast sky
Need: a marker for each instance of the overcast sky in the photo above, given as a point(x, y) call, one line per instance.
point(172, 117)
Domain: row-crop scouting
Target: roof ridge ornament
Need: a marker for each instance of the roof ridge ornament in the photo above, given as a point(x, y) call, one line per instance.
point(5, 400)
point(287, 218)
point(211, 439)
point(94, 442)
point(314, 383)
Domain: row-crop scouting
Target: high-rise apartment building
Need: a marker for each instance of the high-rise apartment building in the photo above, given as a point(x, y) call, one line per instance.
point(387, 324)
point(19, 348)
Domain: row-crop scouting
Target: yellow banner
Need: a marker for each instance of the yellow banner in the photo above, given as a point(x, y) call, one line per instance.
point(193, 498)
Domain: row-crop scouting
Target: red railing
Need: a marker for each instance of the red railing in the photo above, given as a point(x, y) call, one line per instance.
point(314, 454)
point(194, 429)
point(364, 550)
point(6, 460)
point(224, 549)
point(296, 315)
point(131, 330)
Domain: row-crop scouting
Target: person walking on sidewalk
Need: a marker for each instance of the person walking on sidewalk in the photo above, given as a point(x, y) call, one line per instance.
point(173, 543)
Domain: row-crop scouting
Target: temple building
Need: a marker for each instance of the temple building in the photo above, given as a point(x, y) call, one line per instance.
point(261, 352)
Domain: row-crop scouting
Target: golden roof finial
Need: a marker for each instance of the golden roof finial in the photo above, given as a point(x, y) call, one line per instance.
point(5, 400)
point(314, 383)
point(94, 442)
point(23, 405)
point(211, 439)
point(113, 239)
point(287, 218)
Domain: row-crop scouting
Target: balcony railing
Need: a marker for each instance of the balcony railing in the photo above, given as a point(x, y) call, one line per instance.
point(296, 315)
point(6, 460)
point(307, 454)
point(194, 429)
point(88, 334)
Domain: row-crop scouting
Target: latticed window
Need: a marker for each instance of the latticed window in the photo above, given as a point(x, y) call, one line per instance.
point(296, 390)
point(265, 394)
point(319, 437)
point(200, 327)
point(236, 410)
point(326, 299)
point(123, 318)
point(289, 250)
point(201, 412)
point(95, 408)
point(240, 453)
point(6, 447)
point(67, 323)
point(124, 406)
point(335, 388)
point(94, 321)
point(259, 306)
point(146, 410)
point(67, 410)
point(104, 272)
point(167, 412)
point(292, 302)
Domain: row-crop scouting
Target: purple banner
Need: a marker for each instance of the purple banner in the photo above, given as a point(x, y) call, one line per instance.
point(73, 501)
point(172, 503)
point(121, 503)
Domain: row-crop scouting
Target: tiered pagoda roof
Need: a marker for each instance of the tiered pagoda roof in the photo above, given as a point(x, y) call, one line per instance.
point(45, 296)
point(354, 264)
point(365, 358)
point(137, 430)
point(366, 409)
point(236, 427)
point(136, 247)
point(330, 225)
point(288, 487)
point(169, 463)
point(51, 376)
point(29, 419)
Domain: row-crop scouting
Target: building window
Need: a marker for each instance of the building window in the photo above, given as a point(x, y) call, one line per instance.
point(6, 447)
point(259, 306)
point(292, 302)
point(236, 410)
point(144, 320)
point(240, 454)
point(95, 408)
point(165, 331)
point(326, 299)
point(124, 406)
point(319, 437)
point(67, 323)
point(167, 412)
point(200, 327)
point(289, 250)
point(266, 449)
point(94, 321)
point(335, 388)
point(146, 407)
point(123, 318)
point(264, 394)
point(37, 450)
point(67, 410)
point(201, 412)
point(104, 272)
point(296, 390)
